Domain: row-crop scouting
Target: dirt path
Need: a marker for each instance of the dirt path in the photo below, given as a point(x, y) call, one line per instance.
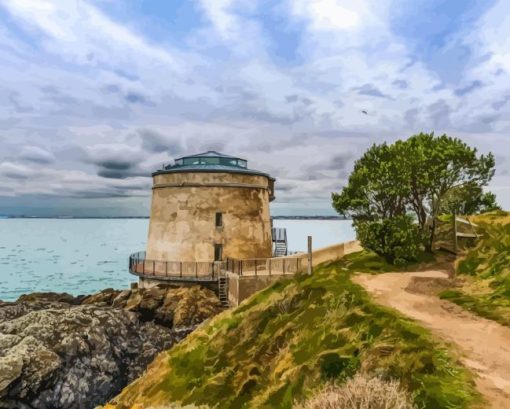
point(484, 345)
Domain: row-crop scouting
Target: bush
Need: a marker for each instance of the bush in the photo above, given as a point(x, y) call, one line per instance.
point(398, 239)
point(361, 392)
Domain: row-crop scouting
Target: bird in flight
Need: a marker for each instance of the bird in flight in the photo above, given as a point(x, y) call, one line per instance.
point(365, 112)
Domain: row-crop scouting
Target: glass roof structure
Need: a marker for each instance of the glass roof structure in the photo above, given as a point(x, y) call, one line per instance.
point(210, 161)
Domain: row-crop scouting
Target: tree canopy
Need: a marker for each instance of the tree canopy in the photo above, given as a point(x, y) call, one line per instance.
point(420, 175)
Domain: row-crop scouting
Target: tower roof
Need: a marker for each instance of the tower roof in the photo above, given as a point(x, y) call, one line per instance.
point(210, 161)
point(209, 154)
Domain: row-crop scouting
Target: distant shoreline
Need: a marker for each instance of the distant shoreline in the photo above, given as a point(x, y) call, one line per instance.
point(315, 217)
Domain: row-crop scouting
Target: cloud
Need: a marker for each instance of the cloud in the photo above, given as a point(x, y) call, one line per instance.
point(14, 171)
point(155, 142)
point(327, 14)
point(36, 155)
point(468, 88)
point(370, 90)
point(95, 97)
point(117, 161)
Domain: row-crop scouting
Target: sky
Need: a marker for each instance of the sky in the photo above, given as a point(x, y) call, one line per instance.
point(97, 94)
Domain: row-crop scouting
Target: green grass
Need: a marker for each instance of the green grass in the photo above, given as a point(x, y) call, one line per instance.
point(369, 262)
point(497, 309)
point(487, 268)
point(286, 341)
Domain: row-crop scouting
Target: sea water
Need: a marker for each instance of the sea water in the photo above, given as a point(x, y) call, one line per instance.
point(82, 256)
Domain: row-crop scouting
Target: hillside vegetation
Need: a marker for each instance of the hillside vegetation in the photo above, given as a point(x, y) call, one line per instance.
point(287, 342)
point(486, 270)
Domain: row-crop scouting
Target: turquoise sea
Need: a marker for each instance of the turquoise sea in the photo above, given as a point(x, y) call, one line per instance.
point(81, 256)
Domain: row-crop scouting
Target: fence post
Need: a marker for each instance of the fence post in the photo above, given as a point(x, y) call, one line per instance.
point(310, 269)
point(455, 243)
point(283, 266)
point(270, 260)
point(153, 267)
point(196, 269)
point(166, 268)
point(255, 267)
point(180, 269)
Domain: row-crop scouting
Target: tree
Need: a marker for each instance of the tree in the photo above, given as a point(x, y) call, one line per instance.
point(469, 199)
point(412, 176)
point(398, 239)
point(438, 166)
point(377, 187)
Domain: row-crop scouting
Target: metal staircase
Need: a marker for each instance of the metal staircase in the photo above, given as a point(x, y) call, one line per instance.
point(279, 241)
point(223, 290)
point(280, 249)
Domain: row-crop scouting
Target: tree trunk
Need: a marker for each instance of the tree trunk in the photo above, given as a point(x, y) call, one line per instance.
point(430, 244)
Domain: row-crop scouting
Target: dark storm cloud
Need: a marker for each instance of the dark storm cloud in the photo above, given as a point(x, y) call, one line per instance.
point(114, 163)
point(117, 161)
point(132, 171)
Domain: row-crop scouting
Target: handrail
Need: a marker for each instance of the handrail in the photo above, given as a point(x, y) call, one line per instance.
point(173, 270)
point(266, 266)
point(140, 266)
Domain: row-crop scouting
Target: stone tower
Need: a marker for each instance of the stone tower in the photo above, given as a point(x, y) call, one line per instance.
point(209, 207)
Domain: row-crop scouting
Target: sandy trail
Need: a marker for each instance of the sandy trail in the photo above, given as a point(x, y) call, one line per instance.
point(484, 345)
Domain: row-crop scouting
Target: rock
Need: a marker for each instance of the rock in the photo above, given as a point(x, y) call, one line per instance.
point(189, 306)
point(76, 357)
point(104, 297)
point(48, 296)
point(170, 306)
point(59, 351)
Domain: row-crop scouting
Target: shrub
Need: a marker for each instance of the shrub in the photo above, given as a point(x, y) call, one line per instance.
point(361, 392)
point(398, 239)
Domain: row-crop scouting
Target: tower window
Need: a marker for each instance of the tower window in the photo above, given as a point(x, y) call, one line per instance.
point(218, 252)
point(219, 219)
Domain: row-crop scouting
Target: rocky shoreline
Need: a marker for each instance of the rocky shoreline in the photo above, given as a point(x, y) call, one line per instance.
point(59, 351)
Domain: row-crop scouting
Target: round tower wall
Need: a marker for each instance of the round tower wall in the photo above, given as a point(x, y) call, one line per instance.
point(183, 216)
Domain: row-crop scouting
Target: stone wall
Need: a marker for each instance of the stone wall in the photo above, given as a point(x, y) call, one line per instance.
point(242, 287)
point(184, 206)
point(334, 252)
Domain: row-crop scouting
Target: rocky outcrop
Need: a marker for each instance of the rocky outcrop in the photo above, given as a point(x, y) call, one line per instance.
point(168, 306)
point(59, 351)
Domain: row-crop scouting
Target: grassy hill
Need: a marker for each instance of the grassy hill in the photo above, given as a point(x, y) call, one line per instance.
point(486, 270)
point(286, 342)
